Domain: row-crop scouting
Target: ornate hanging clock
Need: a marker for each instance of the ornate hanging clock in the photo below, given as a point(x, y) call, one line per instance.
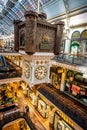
point(26, 70)
point(40, 72)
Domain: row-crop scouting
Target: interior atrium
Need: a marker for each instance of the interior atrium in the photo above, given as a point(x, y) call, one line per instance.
point(43, 64)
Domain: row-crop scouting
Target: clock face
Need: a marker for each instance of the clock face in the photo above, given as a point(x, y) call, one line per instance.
point(26, 70)
point(40, 72)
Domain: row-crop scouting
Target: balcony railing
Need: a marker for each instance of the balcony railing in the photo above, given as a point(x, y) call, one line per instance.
point(73, 109)
point(8, 49)
point(72, 59)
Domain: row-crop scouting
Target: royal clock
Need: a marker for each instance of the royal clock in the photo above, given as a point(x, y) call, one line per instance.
point(26, 70)
point(40, 72)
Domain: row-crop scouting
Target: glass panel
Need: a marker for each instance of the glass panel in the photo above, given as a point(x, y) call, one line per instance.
point(8, 20)
point(84, 34)
point(10, 16)
point(75, 34)
point(28, 6)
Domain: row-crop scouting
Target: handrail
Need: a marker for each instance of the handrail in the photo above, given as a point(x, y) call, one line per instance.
point(77, 59)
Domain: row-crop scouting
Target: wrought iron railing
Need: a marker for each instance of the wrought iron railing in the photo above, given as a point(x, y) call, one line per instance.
point(8, 49)
point(71, 59)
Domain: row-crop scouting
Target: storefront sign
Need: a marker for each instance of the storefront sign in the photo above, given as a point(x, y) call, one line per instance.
point(60, 71)
point(66, 119)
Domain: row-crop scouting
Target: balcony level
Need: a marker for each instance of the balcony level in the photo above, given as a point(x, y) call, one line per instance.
point(76, 111)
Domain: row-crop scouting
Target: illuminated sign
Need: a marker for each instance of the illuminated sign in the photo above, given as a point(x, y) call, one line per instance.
point(60, 71)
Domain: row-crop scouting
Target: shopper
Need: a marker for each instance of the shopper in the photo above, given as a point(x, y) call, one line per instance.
point(27, 109)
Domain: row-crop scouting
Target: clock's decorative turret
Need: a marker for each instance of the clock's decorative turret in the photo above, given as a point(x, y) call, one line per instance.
point(35, 34)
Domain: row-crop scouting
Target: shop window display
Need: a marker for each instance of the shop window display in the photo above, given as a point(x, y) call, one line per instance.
point(42, 107)
point(75, 85)
point(55, 75)
point(8, 96)
point(61, 122)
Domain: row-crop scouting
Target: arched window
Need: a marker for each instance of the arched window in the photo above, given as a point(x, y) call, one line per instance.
point(74, 47)
point(84, 34)
point(75, 35)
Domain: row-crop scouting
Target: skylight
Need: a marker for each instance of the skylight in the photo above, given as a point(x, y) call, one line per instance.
point(2, 4)
point(0, 8)
point(5, 1)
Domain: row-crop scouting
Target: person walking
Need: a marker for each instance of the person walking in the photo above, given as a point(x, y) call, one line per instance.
point(27, 109)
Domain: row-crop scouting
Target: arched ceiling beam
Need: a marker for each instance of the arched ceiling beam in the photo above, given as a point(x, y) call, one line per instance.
point(12, 11)
point(18, 9)
point(9, 18)
point(4, 31)
point(5, 27)
point(5, 21)
point(22, 5)
point(13, 1)
point(29, 1)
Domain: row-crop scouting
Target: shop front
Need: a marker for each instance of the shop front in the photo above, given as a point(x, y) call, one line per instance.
point(76, 86)
point(55, 76)
point(8, 95)
point(62, 122)
point(42, 107)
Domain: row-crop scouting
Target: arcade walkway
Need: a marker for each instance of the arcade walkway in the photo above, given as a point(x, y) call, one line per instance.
point(38, 120)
